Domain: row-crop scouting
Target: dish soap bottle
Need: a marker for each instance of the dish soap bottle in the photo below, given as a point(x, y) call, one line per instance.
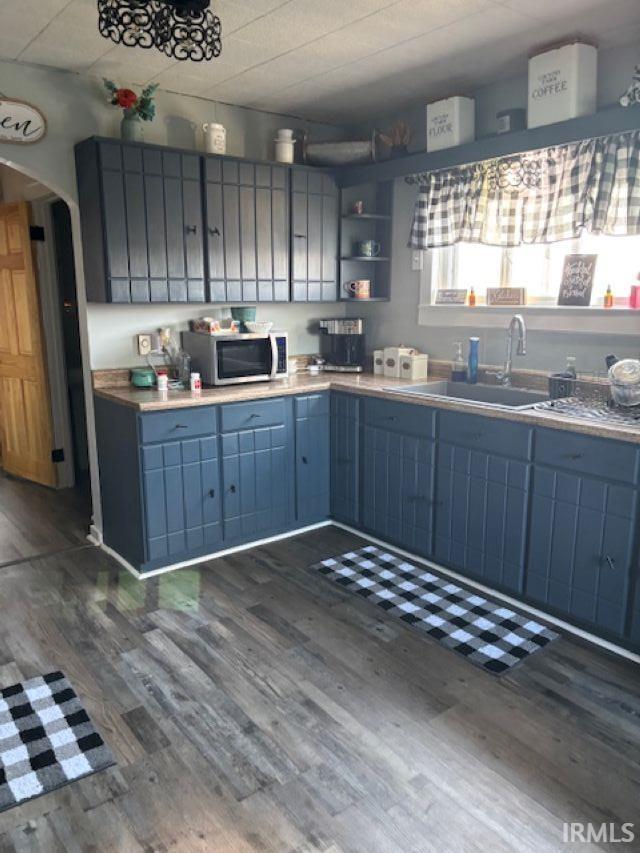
point(608, 297)
point(458, 368)
point(473, 360)
point(472, 297)
point(570, 371)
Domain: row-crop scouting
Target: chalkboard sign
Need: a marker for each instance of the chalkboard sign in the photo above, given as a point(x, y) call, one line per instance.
point(577, 280)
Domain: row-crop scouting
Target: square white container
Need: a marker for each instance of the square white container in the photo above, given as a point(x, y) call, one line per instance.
point(414, 366)
point(563, 84)
point(450, 122)
point(378, 362)
point(392, 356)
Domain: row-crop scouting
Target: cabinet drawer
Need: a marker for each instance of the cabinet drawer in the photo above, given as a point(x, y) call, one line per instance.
point(261, 413)
point(407, 418)
point(489, 434)
point(583, 454)
point(312, 405)
point(178, 424)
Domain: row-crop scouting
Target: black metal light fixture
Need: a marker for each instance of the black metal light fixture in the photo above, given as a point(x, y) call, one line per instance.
point(182, 29)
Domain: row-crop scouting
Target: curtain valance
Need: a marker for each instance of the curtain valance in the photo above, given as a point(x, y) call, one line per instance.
point(537, 197)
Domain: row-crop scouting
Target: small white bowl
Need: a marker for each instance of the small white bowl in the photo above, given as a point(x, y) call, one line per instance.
point(257, 328)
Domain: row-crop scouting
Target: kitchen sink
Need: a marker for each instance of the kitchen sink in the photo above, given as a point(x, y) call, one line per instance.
point(492, 395)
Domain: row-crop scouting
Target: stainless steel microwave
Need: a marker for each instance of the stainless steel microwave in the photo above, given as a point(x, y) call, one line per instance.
point(234, 359)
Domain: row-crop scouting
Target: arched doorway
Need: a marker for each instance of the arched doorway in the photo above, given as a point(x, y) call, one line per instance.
point(45, 496)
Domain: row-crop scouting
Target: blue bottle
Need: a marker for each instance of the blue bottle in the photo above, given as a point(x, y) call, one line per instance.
point(472, 377)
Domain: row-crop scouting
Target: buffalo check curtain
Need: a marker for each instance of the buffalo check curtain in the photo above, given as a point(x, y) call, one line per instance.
point(538, 197)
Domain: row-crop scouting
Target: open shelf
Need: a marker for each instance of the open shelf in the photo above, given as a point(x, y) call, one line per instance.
point(370, 299)
point(359, 258)
point(378, 217)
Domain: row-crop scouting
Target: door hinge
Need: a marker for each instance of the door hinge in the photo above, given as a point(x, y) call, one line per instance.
point(36, 232)
point(57, 455)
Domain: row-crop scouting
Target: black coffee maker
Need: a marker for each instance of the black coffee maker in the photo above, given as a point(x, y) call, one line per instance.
point(342, 345)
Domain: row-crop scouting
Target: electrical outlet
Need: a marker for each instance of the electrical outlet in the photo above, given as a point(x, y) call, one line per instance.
point(416, 261)
point(144, 344)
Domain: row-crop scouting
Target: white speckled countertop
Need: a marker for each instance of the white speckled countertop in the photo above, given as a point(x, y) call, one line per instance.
point(367, 384)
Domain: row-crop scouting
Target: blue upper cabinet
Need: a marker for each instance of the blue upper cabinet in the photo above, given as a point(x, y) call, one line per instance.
point(257, 469)
point(247, 230)
point(315, 221)
point(142, 223)
point(583, 520)
point(345, 457)
point(397, 473)
point(312, 457)
point(483, 475)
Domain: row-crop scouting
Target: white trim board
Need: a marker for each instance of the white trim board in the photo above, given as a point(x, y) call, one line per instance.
point(142, 576)
point(541, 614)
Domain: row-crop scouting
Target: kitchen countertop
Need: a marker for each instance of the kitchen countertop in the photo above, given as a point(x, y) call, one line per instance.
point(367, 384)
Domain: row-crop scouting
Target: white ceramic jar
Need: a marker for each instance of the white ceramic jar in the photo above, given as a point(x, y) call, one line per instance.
point(285, 146)
point(215, 138)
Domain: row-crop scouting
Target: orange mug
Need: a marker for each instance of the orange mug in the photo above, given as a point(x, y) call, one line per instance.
point(359, 289)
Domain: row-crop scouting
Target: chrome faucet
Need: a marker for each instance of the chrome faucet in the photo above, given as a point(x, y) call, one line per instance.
point(517, 323)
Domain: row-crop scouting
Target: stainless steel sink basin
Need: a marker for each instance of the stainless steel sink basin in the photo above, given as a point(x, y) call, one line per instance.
point(492, 395)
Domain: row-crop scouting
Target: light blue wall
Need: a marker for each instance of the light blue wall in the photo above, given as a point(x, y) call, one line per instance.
point(397, 321)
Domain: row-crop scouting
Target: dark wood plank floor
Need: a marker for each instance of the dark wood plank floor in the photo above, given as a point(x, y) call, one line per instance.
point(35, 520)
point(254, 706)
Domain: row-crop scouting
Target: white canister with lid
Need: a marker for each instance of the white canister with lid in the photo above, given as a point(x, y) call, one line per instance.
point(414, 366)
point(215, 138)
point(392, 356)
point(378, 362)
point(285, 146)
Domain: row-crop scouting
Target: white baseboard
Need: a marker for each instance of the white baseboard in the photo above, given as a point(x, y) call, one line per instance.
point(235, 550)
point(95, 535)
point(519, 605)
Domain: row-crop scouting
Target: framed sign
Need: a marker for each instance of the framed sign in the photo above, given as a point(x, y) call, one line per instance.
point(20, 123)
point(451, 297)
point(577, 280)
point(506, 296)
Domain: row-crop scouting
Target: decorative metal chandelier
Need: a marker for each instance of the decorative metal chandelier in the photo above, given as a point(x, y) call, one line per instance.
point(182, 29)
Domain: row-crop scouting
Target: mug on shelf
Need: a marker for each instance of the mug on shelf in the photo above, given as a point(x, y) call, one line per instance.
point(359, 289)
point(367, 249)
point(357, 207)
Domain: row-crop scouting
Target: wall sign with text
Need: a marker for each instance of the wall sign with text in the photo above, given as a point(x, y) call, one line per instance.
point(20, 123)
point(577, 280)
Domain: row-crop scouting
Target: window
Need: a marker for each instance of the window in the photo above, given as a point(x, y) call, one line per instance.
point(538, 267)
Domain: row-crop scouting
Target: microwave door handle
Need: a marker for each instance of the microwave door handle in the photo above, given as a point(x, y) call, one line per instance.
point(274, 356)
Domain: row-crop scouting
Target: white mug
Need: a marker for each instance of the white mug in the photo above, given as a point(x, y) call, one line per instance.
point(215, 138)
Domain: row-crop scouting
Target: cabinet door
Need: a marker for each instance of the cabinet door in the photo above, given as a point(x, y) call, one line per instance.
point(247, 228)
point(581, 544)
point(314, 236)
point(312, 457)
point(345, 458)
point(397, 487)
point(181, 498)
point(257, 482)
point(481, 504)
point(152, 213)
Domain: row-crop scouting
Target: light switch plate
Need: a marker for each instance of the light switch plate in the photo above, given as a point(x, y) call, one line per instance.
point(416, 261)
point(144, 344)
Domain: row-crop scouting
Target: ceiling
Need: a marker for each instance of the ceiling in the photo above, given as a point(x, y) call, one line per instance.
point(340, 61)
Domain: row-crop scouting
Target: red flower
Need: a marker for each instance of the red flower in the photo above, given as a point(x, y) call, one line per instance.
point(125, 98)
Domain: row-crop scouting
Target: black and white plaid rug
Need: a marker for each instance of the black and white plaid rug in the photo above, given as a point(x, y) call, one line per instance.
point(487, 633)
point(46, 739)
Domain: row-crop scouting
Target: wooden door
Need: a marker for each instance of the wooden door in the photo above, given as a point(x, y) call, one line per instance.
point(26, 429)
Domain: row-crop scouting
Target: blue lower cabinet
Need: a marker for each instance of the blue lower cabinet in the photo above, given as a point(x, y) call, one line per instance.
point(481, 515)
point(345, 457)
point(581, 548)
point(257, 483)
point(397, 487)
point(181, 498)
point(312, 457)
